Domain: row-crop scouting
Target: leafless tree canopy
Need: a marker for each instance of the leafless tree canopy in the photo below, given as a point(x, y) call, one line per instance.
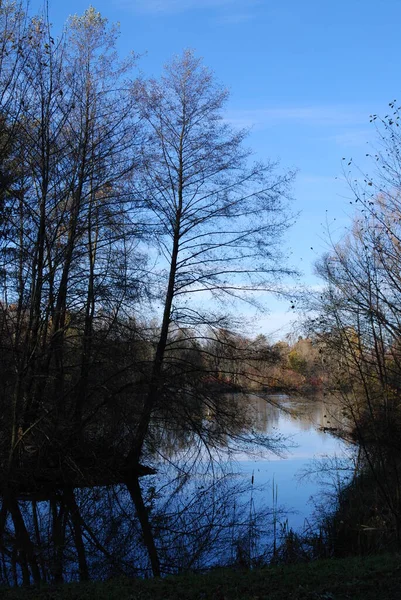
point(358, 324)
point(116, 194)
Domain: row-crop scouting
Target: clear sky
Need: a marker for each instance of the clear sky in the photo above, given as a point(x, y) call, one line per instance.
point(304, 75)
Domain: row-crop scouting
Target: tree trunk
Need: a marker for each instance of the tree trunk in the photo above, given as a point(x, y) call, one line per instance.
point(73, 508)
point(136, 494)
point(58, 540)
point(38, 539)
point(24, 542)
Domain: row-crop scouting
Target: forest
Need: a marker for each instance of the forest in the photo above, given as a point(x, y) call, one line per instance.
point(134, 225)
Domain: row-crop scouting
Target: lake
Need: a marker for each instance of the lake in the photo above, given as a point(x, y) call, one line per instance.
point(213, 501)
point(302, 423)
point(228, 504)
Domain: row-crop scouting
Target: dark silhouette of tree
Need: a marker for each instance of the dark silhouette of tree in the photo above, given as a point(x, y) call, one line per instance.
point(69, 270)
point(217, 218)
point(97, 169)
point(359, 322)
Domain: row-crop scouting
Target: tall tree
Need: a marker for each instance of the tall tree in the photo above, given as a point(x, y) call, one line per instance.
point(359, 319)
point(218, 219)
point(67, 246)
point(70, 210)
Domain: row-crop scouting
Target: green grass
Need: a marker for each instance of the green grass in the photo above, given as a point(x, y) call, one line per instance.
point(371, 578)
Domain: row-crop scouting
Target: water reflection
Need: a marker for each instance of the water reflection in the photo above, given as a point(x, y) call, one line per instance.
point(308, 427)
point(206, 505)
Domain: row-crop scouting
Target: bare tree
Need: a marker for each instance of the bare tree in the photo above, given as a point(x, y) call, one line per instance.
point(67, 244)
point(359, 322)
point(98, 164)
point(218, 219)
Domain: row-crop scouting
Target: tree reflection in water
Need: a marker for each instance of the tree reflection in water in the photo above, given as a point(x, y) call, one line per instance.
point(198, 510)
point(197, 520)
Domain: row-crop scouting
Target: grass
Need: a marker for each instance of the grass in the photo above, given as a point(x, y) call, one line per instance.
point(371, 578)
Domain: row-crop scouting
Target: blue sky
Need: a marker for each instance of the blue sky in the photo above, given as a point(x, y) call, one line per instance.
point(305, 76)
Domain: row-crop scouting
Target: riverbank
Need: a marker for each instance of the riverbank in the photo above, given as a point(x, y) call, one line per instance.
point(370, 578)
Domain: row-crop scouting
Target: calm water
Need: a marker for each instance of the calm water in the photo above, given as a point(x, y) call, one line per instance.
point(308, 447)
point(222, 501)
point(205, 512)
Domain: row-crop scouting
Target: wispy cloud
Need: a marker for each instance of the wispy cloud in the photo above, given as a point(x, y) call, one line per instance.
point(177, 6)
point(352, 139)
point(328, 116)
point(276, 324)
point(315, 179)
point(235, 18)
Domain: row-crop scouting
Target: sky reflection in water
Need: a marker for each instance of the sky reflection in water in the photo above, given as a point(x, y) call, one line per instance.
point(306, 444)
